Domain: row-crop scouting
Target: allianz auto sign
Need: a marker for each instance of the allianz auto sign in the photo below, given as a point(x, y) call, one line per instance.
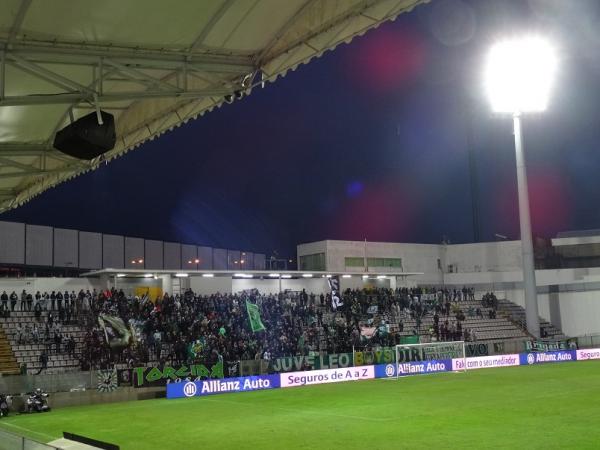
point(222, 386)
point(547, 357)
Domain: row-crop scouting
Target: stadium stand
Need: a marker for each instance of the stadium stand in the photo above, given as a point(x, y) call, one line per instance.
point(27, 349)
point(217, 326)
point(517, 314)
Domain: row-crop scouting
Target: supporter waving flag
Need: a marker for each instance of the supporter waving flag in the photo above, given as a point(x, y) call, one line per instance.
point(254, 317)
point(117, 334)
point(334, 285)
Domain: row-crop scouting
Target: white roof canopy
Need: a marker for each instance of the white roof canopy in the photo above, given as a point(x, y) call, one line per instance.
point(153, 64)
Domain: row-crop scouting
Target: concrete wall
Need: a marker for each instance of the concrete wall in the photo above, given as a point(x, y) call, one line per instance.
point(271, 286)
point(35, 245)
point(415, 257)
point(484, 257)
point(50, 284)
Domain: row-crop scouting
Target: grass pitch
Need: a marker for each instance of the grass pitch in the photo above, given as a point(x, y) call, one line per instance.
point(545, 406)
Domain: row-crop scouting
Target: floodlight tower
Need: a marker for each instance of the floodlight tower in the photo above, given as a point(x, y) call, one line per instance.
point(518, 79)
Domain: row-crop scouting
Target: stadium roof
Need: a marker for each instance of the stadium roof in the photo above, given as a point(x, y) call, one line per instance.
point(241, 273)
point(154, 64)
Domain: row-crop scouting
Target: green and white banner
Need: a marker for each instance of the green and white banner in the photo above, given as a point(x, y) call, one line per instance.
point(254, 317)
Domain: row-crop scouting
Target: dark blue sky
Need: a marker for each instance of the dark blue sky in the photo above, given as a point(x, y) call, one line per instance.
point(369, 141)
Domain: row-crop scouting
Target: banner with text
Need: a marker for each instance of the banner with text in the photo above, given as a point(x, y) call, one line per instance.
point(159, 376)
point(294, 379)
point(486, 362)
point(311, 362)
point(412, 368)
point(588, 353)
point(222, 386)
point(547, 357)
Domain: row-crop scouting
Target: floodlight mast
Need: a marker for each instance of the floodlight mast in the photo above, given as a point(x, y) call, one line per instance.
point(519, 75)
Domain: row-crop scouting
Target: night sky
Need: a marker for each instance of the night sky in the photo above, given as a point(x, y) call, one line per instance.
point(369, 141)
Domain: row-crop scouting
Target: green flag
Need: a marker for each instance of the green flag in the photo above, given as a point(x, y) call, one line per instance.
point(254, 317)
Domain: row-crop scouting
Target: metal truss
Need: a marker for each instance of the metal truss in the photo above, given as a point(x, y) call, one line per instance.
point(223, 73)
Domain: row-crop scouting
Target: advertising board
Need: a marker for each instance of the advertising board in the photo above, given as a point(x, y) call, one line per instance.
point(547, 357)
point(294, 379)
point(413, 368)
point(486, 362)
point(222, 386)
point(588, 353)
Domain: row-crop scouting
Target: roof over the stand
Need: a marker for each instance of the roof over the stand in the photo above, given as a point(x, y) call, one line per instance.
point(272, 274)
point(153, 64)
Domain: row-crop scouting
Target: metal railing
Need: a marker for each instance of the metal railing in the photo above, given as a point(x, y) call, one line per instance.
point(11, 441)
point(591, 341)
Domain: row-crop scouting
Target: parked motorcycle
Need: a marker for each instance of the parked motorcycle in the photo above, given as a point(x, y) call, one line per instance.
point(5, 404)
point(37, 402)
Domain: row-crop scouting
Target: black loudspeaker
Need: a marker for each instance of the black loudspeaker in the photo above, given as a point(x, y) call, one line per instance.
point(85, 138)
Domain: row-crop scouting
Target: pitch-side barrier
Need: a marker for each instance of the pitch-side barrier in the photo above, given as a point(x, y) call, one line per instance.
point(358, 373)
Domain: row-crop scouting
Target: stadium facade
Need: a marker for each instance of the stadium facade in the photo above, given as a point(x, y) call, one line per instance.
point(567, 271)
point(568, 268)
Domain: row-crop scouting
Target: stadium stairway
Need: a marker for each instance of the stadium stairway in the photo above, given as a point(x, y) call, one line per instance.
point(8, 362)
point(516, 313)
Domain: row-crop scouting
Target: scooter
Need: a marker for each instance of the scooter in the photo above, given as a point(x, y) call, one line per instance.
point(37, 402)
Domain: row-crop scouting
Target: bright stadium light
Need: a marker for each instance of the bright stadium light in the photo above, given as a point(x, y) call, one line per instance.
point(148, 275)
point(274, 275)
point(286, 276)
point(181, 275)
point(307, 275)
point(519, 75)
point(120, 275)
point(208, 275)
point(346, 276)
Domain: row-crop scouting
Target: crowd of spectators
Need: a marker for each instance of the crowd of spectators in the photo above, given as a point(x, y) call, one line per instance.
point(191, 328)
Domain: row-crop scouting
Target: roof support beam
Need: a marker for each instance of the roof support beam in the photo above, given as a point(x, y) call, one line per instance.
point(52, 53)
point(138, 74)
point(2, 72)
point(73, 97)
point(6, 162)
point(288, 24)
point(8, 150)
point(356, 10)
point(19, 18)
point(210, 25)
point(49, 75)
point(33, 171)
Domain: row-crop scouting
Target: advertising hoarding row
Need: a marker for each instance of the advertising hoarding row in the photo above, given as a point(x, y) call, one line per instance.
point(391, 370)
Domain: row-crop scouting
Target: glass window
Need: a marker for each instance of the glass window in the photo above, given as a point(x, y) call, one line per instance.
point(354, 261)
point(313, 262)
point(385, 262)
